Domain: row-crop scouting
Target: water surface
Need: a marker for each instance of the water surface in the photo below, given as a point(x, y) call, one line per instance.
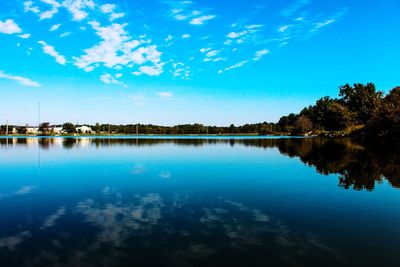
point(198, 202)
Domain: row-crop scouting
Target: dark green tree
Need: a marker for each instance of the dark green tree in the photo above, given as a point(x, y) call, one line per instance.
point(45, 128)
point(386, 118)
point(361, 99)
point(69, 128)
point(97, 128)
point(302, 125)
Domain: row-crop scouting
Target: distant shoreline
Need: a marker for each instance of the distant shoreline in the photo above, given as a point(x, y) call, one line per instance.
point(255, 136)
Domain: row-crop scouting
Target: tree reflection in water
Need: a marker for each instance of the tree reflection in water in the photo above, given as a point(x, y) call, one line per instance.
point(360, 164)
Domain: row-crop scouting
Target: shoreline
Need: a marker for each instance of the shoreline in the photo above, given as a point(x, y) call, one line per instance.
point(171, 136)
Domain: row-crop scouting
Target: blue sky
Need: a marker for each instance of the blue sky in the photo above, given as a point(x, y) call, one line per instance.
point(169, 62)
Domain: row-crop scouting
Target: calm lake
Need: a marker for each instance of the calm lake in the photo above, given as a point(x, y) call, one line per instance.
point(198, 202)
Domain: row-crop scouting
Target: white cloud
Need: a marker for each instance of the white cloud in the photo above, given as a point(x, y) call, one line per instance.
point(107, 78)
point(115, 16)
point(323, 24)
point(19, 79)
point(180, 70)
point(254, 26)
point(55, 27)
point(186, 36)
point(165, 94)
point(237, 65)
point(244, 34)
point(118, 48)
point(200, 20)
point(181, 10)
point(51, 12)
point(50, 50)
point(28, 7)
point(78, 8)
point(169, 38)
point(48, 14)
point(203, 50)
point(9, 27)
point(151, 70)
point(65, 34)
point(212, 53)
point(283, 28)
point(259, 54)
point(24, 36)
point(233, 35)
point(107, 8)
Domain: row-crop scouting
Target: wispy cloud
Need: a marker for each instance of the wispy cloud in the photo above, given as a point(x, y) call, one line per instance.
point(283, 28)
point(259, 54)
point(108, 78)
point(294, 7)
point(165, 94)
point(155, 70)
point(77, 8)
point(25, 36)
point(200, 20)
point(65, 34)
point(110, 9)
point(29, 7)
point(55, 27)
point(50, 50)
point(237, 65)
point(19, 79)
point(242, 34)
point(323, 24)
point(184, 11)
point(181, 70)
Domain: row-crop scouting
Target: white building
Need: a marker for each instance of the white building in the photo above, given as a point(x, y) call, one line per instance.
point(58, 130)
point(32, 130)
point(84, 129)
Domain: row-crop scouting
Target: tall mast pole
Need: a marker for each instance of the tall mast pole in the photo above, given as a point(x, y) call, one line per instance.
point(39, 116)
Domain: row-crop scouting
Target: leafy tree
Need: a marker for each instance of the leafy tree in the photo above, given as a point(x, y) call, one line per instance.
point(45, 128)
point(69, 128)
point(328, 114)
point(97, 128)
point(302, 125)
point(386, 118)
point(361, 99)
point(286, 122)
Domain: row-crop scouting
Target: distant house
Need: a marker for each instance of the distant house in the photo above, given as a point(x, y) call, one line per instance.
point(32, 130)
point(84, 129)
point(58, 130)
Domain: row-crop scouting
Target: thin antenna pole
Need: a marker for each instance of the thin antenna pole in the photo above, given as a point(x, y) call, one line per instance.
point(39, 116)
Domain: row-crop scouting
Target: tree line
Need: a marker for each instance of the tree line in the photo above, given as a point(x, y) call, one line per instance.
point(360, 109)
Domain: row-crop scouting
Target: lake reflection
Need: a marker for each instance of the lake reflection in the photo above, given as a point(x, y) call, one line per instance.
point(198, 202)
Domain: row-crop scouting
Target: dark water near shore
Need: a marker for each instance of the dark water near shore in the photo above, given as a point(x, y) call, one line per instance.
point(198, 202)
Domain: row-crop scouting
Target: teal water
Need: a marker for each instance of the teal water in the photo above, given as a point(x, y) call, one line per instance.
point(192, 201)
